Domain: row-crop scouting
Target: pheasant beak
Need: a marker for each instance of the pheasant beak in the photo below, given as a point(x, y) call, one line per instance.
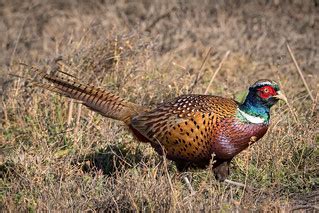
point(281, 96)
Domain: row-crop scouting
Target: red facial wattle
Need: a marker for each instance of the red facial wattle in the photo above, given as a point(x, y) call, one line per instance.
point(266, 91)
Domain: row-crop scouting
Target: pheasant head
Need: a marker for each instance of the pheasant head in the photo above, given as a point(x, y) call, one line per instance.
point(261, 97)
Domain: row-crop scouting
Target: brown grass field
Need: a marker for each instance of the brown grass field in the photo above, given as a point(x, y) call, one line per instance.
point(56, 155)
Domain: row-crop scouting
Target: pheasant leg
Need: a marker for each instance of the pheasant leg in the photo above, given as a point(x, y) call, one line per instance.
point(221, 172)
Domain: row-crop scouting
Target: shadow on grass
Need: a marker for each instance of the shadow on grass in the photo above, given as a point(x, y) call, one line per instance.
point(111, 159)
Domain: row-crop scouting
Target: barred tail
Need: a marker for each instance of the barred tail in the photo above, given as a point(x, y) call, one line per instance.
point(97, 99)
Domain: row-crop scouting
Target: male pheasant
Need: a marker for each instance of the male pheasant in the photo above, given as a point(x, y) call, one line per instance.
point(189, 129)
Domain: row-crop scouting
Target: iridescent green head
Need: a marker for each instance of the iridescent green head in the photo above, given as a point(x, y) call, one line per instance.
point(267, 92)
point(261, 96)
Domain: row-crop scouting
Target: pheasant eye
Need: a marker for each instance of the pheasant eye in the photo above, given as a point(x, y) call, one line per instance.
point(266, 91)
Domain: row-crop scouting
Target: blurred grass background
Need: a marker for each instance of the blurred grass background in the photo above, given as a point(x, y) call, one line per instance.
point(54, 158)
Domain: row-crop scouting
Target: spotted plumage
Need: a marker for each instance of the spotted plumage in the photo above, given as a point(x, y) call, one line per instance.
point(189, 129)
point(185, 126)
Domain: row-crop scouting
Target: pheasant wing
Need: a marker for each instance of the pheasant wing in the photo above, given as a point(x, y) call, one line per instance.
point(185, 126)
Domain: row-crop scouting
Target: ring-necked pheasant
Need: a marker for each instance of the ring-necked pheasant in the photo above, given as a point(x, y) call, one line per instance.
point(189, 129)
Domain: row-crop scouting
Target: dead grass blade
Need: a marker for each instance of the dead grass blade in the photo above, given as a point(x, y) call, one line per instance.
point(70, 112)
point(235, 183)
point(217, 70)
point(300, 72)
point(189, 185)
point(200, 75)
point(18, 39)
point(77, 123)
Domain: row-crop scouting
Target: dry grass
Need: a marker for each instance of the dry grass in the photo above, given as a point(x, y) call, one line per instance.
point(149, 51)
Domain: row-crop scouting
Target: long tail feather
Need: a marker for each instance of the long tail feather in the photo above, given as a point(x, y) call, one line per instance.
point(95, 98)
